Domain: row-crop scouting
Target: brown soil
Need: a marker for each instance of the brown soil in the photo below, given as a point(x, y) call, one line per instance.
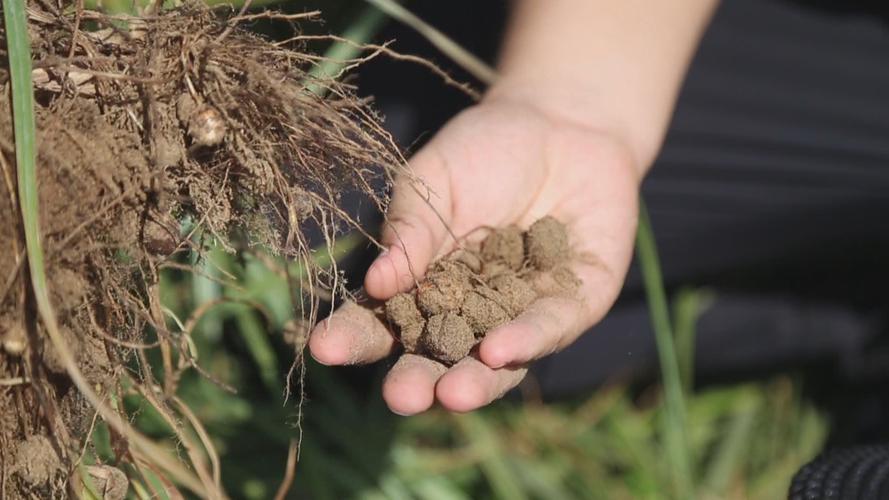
point(485, 309)
point(467, 294)
point(108, 482)
point(37, 465)
point(444, 289)
point(180, 129)
point(504, 246)
point(402, 311)
point(547, 243)
point(448, 337)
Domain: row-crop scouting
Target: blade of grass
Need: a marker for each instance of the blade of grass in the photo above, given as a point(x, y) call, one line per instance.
point(675, 431)
point(538, 479)
point(260, 347)
point(687, 307)
point(495, 463)
point(442, 42)
point(205, 289)
point(437, 488)
point(728, 461)
point(25, 134)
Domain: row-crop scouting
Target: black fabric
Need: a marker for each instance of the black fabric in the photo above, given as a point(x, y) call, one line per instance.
point(773, 189)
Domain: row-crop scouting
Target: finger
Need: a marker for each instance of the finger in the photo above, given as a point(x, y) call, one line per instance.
point(409, 387)
point(556, 319)
point(545, 327)
point(351, 335)
point(415, 228)
point(470, 384)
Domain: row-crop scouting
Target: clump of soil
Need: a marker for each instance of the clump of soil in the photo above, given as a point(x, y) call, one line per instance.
point(467, 294)
point(156, 135)
point(546, 242)
point(402, 310)
point(504, 246)
point(37, 466)
point(448, 337)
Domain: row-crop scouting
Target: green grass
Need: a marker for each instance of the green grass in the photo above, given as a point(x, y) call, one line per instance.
point(747, 440)
point(675, 424)
point(14, 13)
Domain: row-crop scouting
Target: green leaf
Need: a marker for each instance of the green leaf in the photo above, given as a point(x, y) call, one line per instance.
point(675, 431)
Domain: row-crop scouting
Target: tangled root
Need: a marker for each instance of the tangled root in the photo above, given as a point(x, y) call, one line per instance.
point(156, 139)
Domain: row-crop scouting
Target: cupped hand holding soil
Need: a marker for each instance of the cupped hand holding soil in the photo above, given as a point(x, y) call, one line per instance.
point(499, 164)
point(474, 290)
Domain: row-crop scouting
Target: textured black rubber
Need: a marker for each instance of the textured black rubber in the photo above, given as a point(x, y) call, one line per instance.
point(858, 473)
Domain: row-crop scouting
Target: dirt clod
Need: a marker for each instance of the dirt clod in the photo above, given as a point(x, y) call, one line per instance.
point(467, 294)
point(547, 243)
point(495, 268)
point(504, 245)
point(67, 288)
point(403, 313)
point(442, 292)
point(36, 462)
point(517, 293)
point(448, 337)
point(484, 310)
point(469, 259)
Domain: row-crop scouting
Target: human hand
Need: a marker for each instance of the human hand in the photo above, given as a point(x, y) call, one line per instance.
point(501, 162)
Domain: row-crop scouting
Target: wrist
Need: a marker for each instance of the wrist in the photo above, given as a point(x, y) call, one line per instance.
point(585, 108)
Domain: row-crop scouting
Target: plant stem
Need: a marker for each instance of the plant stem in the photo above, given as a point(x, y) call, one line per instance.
point(442, 42)
point(675, 430)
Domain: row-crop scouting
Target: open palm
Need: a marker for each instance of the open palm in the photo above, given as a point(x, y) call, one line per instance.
point(498, 163)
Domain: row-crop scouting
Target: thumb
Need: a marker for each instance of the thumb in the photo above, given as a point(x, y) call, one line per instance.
point(416, 226)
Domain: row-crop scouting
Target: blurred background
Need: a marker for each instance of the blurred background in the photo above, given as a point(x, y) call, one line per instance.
point(768, 208)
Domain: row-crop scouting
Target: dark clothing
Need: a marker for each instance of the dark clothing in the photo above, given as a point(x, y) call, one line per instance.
point(773, 188)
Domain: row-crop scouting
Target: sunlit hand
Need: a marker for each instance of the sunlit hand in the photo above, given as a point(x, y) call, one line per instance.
point(501, 162)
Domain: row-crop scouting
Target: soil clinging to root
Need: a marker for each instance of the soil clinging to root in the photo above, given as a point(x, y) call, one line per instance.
point(156, 134)
point(470, 292)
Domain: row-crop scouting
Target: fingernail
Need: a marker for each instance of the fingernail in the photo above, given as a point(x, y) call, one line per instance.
point(377, 262)
point(312, 354)
point(486, 358)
